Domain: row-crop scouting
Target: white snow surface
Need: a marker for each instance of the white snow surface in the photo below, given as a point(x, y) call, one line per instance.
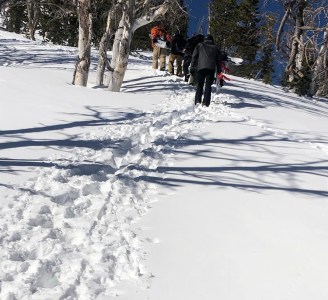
point(140, 195)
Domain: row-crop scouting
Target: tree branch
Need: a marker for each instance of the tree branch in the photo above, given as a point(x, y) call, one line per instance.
point(281, 27)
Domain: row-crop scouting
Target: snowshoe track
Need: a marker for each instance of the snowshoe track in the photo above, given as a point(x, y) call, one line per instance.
point(69, 235)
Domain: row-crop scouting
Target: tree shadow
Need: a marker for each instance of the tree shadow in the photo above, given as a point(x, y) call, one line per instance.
point(95, 116)
point(268, 96)
point(229, 171)
point(153, 84)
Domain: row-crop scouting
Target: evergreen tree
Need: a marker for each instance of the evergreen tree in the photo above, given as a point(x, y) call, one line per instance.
point(267, 48)
point(266, 64)
point(141, 39)
point(100, 10)
point(235, 27)
point(223, 24)
point(15, 18)
point(248, 42)
point(59, 23)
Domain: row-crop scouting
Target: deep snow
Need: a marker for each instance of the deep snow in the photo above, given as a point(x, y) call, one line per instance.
point(140, 195)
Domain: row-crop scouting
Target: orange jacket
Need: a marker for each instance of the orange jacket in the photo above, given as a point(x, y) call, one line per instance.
point(159, 32)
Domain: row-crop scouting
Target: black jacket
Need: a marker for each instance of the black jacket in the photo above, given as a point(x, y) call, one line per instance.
point(207, 56)
point(192, 43)
point(178, 44)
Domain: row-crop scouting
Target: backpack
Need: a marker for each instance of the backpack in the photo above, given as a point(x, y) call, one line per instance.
point(193, 42)
point(224, 56)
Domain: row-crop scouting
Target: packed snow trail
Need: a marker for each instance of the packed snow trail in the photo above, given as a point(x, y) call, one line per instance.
point(68, 234)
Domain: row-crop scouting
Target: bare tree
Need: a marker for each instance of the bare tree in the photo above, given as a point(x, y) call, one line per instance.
point(302, 36)
point(114, 13)
point(295, 10)
point(135, 15)
point(319, 85)
point(82, 67)
point(33, 14)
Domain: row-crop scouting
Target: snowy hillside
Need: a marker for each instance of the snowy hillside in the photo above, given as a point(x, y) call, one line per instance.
point(140, 195)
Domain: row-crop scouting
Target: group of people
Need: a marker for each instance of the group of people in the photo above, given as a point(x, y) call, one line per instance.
point(197, 57)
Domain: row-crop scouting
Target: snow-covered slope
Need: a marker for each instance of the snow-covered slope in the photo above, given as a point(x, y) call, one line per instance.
point(141, 195)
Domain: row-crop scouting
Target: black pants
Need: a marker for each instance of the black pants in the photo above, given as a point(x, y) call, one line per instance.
point(186, 63)
point(204, 76)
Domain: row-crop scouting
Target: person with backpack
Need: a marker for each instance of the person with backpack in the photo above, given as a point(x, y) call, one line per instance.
point(189, 49)
point(159, 33)
point(177, 48)
point(206, 60)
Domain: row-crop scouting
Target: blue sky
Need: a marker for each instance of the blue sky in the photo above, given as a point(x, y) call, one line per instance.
point(199, 9)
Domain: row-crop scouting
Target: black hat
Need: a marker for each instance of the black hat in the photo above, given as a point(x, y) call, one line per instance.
point(209, 37)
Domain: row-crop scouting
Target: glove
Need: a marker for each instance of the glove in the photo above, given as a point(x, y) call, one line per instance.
point(155, 40)
point(225, 68)
point(193, 71)
point(220, 76)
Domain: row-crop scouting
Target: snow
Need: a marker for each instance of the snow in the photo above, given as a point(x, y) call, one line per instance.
point(140, 195)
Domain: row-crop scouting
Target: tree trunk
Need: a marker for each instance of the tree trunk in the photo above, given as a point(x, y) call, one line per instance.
point(123, 37)
point(82, 67)
point(33, 14)
point(294, 66)
point(103, 60)
point(121, 60)
point(104, 44)
point(113, 79)
point(321, 70)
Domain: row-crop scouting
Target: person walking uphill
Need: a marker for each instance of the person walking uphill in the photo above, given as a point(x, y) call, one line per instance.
point(159, 33)
point(191, 44)
point(206, 59)
point(177, 52)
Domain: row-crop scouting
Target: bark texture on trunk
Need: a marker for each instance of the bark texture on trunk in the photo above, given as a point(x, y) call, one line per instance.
point(103, 62)
point(82, 67)
point(123, 37)
point(33, 14)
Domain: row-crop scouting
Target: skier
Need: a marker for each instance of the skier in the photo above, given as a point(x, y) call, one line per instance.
point(176, 54)
point(190, 46)
point(206, 59)
point(159, 33)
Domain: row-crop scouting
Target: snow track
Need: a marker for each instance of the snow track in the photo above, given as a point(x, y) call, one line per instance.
point(282, 133)
point(69, 235)
point(72, 231)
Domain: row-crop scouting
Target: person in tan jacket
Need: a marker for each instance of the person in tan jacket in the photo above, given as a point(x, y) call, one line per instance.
point(159, 33)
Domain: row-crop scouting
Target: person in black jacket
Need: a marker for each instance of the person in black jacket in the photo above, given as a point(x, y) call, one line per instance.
point(177, 48)
point(206, 59)
point(190, 47)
